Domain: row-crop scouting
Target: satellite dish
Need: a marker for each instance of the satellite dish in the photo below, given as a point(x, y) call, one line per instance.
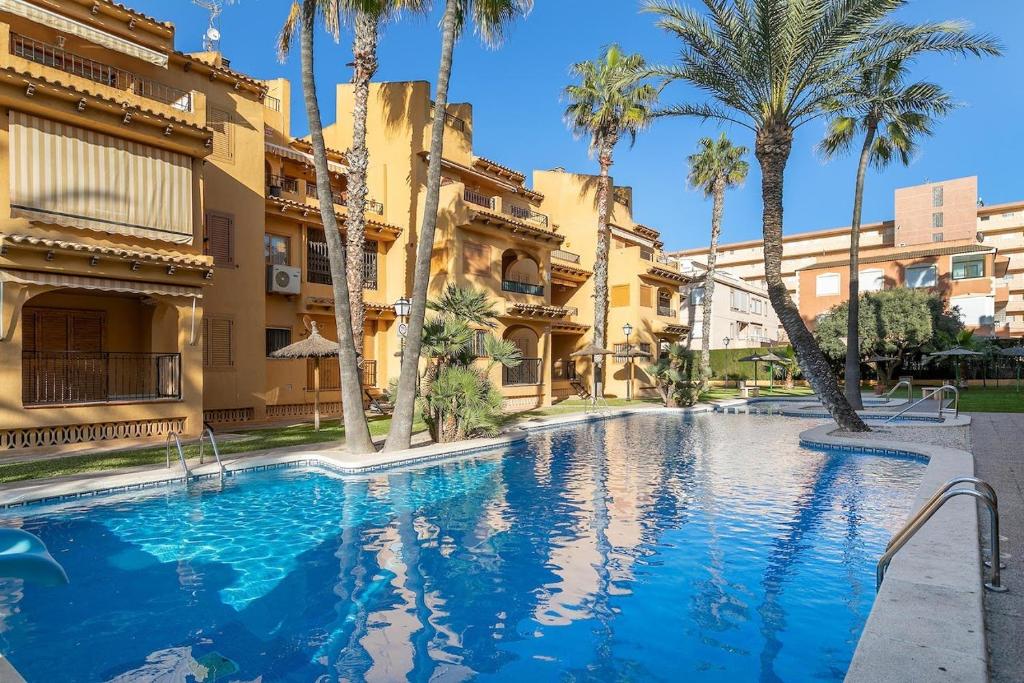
point(213, 34)
point(307, 322)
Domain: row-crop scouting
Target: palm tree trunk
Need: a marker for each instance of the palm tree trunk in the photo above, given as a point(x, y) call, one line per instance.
point(357, 432)
point(718, 194)
point(772, 148)
point(604, 200)
point(852, 373)
point(364, 51)
point(400, 436)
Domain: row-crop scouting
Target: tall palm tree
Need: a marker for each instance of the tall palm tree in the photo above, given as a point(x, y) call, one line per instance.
point(304, 16)
point(772, 66)
point(889, 115)
point(717, 166)
point(610, 101)
point(489, 19)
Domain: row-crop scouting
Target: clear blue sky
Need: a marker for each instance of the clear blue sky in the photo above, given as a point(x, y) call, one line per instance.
point(518, 113)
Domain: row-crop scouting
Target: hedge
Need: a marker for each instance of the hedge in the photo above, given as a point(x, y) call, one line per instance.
point(726, 364)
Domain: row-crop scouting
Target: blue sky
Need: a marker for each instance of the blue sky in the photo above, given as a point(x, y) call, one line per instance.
point(516, 91)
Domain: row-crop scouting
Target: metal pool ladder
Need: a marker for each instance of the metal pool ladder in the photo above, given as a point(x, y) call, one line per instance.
point(208, 431)
point(945, 493)
point(941, 391)
point(910, 390)
point(181, 453)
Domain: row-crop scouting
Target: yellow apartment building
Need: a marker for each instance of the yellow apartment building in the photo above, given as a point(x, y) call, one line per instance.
point(160, 236)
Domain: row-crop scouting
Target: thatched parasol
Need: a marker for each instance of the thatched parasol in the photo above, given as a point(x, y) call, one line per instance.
point(593, 351)
point(316, 347)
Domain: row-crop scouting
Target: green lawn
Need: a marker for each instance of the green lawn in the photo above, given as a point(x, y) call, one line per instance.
point(253, 440)
point(992, 399)
point(722, 393)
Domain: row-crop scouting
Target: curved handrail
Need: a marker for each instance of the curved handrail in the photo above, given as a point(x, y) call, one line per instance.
point(941, 391)
point(181, 453)
point(910, 390)
point(904, 537)
point(207, 430)
point(980, 483)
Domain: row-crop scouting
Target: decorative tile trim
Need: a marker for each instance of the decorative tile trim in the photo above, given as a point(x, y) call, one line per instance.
point(872, 450)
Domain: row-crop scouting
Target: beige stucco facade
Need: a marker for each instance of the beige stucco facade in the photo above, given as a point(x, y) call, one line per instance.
point(741, 315)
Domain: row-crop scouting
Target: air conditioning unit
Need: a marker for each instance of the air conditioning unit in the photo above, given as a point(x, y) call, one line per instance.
point(283, 279)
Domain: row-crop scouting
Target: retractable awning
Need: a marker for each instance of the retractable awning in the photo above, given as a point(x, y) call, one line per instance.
point(72, 281)
point(93, 35)
point(296, 155)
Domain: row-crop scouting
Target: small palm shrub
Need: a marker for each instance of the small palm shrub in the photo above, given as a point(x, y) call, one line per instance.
point(676, 377)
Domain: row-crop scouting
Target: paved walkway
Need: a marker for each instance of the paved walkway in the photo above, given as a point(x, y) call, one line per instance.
point(998, 440)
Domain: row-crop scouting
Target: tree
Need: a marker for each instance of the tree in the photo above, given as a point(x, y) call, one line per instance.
point(772, 66)
point(609, 102)
point(673, 375)
point(889, 115)
point(489, 18)
point(303, 16)
point(718, 166)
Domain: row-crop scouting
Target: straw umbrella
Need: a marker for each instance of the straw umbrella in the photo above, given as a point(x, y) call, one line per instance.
point(592, 351)
point(316, 347)
point(956, 352)
point(771, 359)
point(1018, 353)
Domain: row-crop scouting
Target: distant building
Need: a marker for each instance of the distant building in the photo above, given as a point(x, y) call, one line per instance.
point(740, 312)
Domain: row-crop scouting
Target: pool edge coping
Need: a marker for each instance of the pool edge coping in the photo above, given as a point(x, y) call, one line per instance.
point(927, 620)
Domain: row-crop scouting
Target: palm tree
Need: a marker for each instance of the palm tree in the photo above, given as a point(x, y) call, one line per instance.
point(489, 18)
point(609, 102)
point(890, 116)
point(772, 66)
point(718, 166)
point(304, 15)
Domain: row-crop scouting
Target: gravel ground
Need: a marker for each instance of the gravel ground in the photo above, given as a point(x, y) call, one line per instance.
point(950, 437)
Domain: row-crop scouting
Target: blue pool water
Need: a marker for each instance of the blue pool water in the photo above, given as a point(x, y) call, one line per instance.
point(656, 547)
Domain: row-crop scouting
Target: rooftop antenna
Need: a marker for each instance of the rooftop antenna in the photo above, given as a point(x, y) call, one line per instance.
point(211, 39)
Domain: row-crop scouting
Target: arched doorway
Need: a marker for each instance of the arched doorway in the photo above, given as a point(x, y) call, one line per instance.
point(528, 343)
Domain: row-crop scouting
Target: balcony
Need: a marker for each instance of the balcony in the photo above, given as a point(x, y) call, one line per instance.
point(450, 120)
point(567, 256)
point(57, 378)
point(278, 183)
point(98, 72)
point(318, 262)
point(667, 311)
point(522, 287)
point(525, 213)
point(478, 198)
point(330, 375)
point(526, 373)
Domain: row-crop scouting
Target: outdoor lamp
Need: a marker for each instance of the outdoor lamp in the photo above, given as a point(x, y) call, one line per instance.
point(726, 342)
point(627, 329)
point(402, 307)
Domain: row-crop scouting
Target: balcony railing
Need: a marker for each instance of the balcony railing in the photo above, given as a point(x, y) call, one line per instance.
point(526, 213)
point(527, 372)
point(53, 378)
point(667, 311)
point(450, 120)
point(98, 72)
point(272, 103)
point(563, 255)
point(330, 375)
point(478, 198)
point(282, 182)
point(318, 262)
point(563, 369)
point(522, 287)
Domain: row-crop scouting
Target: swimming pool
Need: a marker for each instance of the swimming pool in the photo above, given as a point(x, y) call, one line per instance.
point(660, 546)
point(813, 409)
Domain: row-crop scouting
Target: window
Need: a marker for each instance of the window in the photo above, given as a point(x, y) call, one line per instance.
point(872, 280)
point(936, 237)
point(222, 124)
point(219, 241)
point(965, 267)
point(937, 219)
point(370, 264)
point(277, 250)
point(620, 351)
point(277, 339)
point(620, 296)
point(318, 264)
point(218, 343)
point(646, 296)
point(738, 300)
point(757, 306)
point(476, 258)
point(937, 196)
point(921, 276)
point(827, 284)
point(479, 350)
point(697, 296)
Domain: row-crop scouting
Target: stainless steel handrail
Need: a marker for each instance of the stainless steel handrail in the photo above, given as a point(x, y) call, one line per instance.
point(910, 390)
point(213, 443)
point(919, 520)
point(985, 487)
point(941, 391)
point(181, 453)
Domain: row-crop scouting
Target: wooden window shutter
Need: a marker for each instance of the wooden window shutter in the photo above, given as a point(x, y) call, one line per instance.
point(222, 124)
point(620, 295)
point(86, 331)
point(645, 296)
point(476, 258)
point(217, 343)
point(220, 238)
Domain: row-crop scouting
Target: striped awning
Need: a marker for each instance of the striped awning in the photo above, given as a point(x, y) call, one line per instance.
point(75, 28)
point(72, 176)
point(302, 157)
point(73, 281)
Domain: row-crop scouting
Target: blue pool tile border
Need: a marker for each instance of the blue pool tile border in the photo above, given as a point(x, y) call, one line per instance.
point(872, 450)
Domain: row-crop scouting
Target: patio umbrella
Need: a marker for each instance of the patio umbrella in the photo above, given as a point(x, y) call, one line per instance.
point(316, 347)
point(755, 359)
point(772, 359)
point(592, 351)
point(955, 352)
point(1018, 353)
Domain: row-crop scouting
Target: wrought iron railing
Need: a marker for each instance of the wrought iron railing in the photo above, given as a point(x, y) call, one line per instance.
point(527, 372)
point(68, 377)
point(318, 262)
point(522, 287)
point(98, 72)
point(375, 207)
point(667, 310)
point(284, 182)
point(330, 374)
point(272, 103)
point(478, 198)
point(450, 119)
point(563, 255)
point(526, 213)
point(563, 369)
